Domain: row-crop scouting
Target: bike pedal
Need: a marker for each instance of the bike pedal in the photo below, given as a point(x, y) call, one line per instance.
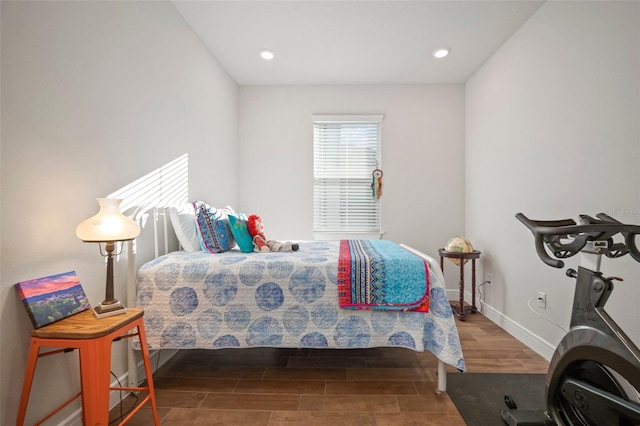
point(527, 418)
point(510, 403)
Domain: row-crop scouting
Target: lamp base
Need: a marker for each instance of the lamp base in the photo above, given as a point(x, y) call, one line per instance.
point(109, 310)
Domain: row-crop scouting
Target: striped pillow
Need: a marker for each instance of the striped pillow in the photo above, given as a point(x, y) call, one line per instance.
point(213, 227)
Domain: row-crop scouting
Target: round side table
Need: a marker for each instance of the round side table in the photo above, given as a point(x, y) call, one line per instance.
point(460, 310)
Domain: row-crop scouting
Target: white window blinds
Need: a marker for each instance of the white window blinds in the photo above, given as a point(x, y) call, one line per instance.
point(346, 152)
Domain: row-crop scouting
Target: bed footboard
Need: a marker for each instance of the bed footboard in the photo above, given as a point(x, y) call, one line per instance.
point(442, 378)
point(442, 368)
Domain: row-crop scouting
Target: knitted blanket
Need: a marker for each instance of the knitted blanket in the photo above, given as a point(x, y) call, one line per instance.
point(381, 275)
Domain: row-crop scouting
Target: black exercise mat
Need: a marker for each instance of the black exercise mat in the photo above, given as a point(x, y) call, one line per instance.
point(479, 397)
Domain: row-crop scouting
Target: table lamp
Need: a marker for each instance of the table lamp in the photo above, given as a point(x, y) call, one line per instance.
point(109, 226)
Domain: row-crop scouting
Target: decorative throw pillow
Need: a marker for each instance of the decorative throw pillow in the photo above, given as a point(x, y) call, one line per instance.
point(240, 231)
point(213, 227)
point(183, 220)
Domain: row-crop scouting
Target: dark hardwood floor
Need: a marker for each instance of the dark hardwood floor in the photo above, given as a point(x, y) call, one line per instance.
point(382, 386)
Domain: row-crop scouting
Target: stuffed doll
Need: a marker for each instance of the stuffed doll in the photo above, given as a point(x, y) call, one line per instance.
point(260, 242)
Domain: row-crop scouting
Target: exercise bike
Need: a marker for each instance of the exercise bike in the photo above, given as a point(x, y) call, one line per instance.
point(594, 375)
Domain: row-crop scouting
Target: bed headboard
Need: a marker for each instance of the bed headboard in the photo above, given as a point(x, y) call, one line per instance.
point(156, 239)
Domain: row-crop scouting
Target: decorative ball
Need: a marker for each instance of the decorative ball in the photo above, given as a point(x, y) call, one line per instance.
point(458, 244)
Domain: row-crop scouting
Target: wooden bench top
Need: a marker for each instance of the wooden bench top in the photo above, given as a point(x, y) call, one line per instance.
point(85, 325)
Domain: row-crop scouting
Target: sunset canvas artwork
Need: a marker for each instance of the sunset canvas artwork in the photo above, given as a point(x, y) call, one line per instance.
point(52, 298)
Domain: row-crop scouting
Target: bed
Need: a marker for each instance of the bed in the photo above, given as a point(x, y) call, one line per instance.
point(199, 300)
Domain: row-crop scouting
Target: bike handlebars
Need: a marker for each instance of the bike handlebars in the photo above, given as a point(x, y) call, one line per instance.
point(552, 233)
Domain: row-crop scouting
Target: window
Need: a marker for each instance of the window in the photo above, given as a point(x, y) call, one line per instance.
point(346, 151)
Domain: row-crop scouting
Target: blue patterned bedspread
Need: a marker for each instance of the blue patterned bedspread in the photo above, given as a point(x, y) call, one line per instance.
point(281, 299)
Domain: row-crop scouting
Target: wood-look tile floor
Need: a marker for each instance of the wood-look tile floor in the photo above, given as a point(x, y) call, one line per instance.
point(381, 386)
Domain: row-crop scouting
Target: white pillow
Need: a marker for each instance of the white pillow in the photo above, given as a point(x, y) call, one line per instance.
point(183, 219)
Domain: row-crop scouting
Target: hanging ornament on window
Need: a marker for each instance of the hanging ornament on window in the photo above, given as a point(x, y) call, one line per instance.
point(376, 183)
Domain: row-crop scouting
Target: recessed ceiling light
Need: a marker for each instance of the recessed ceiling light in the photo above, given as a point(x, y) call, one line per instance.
point(441, 53)
point(267, 54)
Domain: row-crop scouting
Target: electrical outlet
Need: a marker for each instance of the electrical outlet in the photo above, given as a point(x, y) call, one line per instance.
point(542, 300)
point(490, 279)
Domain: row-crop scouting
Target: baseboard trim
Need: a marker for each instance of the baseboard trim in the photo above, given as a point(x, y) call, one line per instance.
point(526, 336)
point(75, 418)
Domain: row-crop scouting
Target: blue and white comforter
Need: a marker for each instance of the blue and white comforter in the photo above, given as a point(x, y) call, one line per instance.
point(283, 299)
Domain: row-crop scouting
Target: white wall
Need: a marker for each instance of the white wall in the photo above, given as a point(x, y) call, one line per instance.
point(552, 131)
point(94, 96)
point(2, 409)
point(422, 157)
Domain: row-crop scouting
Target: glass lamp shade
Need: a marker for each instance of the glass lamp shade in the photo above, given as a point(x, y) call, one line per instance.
point(108, 225)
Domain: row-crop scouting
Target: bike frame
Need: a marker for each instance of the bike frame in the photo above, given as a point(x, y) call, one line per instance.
point(593, 336)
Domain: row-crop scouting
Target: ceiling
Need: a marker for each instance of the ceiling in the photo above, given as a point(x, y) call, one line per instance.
point(354, 42)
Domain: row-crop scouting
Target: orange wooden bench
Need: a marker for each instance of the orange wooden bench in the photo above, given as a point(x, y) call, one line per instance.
point(93, 338)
